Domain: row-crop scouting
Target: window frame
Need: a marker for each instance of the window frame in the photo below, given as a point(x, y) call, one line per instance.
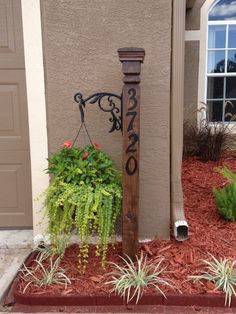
point(225, 74)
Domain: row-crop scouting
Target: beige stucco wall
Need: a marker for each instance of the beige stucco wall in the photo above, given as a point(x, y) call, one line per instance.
point(80, 40)
point(191, 79)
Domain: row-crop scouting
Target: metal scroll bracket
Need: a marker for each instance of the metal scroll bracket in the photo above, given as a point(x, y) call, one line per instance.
point(107, 102)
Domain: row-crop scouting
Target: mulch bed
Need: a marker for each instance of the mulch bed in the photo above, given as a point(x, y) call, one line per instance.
point(208, 233)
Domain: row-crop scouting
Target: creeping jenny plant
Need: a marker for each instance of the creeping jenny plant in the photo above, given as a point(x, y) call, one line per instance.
point(85, 193)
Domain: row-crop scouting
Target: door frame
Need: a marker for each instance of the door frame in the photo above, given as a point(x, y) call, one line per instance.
point(35, 86)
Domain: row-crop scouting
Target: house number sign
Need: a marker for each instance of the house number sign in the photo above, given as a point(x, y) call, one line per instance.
point(131, 59)
point(132, 163)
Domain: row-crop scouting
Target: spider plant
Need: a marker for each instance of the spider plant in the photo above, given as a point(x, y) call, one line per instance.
point(222, 273)
point(44, 276)
point(44, 252)
point(131, 280)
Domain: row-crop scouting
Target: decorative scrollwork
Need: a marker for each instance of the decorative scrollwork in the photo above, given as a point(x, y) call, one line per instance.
point(107, 102)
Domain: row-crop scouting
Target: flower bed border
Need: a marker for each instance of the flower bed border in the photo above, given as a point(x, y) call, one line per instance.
point(207, 300)
point(201, 300)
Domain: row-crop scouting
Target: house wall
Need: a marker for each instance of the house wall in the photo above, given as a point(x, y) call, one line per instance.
point(191, 79)
point(80, 40)
point(192, 59)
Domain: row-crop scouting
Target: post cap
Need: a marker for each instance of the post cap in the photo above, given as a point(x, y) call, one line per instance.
point(131, 54)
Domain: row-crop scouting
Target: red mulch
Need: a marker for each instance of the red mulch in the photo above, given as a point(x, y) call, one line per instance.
point(208, 233)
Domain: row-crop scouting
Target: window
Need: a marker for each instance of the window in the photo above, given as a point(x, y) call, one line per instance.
point(221, 62)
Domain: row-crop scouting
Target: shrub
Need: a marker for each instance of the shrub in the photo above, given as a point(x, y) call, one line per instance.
point(85, 193)
point(131, 280)
point(222, 273)
point(226, 201)
point(206, 140)
point(226, 197)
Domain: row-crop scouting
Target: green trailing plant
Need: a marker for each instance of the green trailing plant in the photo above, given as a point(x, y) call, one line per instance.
point(130, 280)
point(222, 273)
point(43, 275)
point(206, 140)
point(85, 193)
point(60, 244)
point(226, 197)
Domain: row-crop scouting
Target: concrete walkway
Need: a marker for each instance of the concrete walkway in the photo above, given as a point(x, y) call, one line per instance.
point(15, 246)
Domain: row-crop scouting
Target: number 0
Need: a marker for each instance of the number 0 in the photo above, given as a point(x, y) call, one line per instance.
point(131, 165)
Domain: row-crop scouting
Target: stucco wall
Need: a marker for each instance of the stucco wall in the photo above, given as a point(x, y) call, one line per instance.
point(80, 40)
point(191, 79)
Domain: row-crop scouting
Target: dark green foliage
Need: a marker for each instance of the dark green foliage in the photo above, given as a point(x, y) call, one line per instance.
point(72, 166)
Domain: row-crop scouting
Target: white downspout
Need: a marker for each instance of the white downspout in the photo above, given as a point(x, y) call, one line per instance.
point(179, 222)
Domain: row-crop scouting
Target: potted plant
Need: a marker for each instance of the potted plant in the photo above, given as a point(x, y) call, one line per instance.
point(84, 194)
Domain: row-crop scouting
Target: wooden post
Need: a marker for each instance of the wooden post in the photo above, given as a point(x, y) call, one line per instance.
point(131, 59)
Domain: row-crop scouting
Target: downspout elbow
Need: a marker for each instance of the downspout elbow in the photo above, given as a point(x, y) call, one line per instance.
point(179, 222)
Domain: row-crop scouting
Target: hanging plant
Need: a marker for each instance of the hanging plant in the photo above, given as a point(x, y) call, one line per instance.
point(85, 193)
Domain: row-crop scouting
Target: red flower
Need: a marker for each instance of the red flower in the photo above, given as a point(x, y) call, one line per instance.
point(96, 146)
point(85, 155)
point(67, 144)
